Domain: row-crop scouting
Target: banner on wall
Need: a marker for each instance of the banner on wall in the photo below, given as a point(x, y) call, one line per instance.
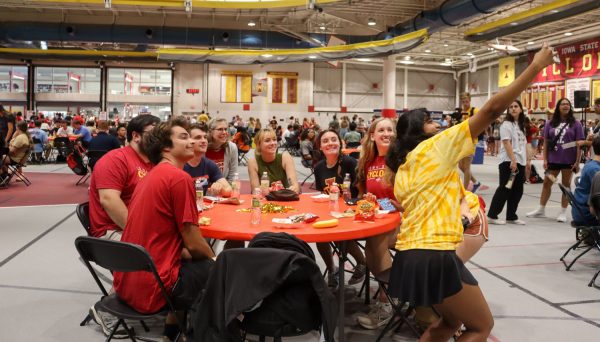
point(282, 87)
point(576, 84)
point(506, 71)
point(577, 60)
point(259, 87)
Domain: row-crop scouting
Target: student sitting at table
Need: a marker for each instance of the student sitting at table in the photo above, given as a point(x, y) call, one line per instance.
point(278, 166)
point(164, 220)
point(64, 130)
point(82, 133)
point(205, 169)
point(333, 168)
point(17, 149)
point(220, 150)
point(242, 139)
point(40, 142)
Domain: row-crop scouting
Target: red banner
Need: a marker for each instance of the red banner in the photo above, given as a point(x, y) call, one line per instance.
point(577, 60)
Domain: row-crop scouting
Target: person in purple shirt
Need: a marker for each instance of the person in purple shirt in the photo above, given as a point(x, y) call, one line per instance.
point(562, 154)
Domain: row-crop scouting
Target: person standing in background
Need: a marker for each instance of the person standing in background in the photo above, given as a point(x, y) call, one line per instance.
point(464, 164)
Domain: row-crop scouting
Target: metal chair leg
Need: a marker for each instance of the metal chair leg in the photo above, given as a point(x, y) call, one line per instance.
point(577, 257)
point(593, 281)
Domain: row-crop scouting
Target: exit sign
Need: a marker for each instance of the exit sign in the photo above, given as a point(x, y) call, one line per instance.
point(192, 91)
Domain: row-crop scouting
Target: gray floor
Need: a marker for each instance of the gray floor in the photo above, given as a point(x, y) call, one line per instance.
point(45, 290)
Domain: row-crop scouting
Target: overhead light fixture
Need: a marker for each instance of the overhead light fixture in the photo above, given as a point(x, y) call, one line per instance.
point(568, 34)
point(266, 55)
point(322, 27)
point(312, 56)
point(514, 23)
point(407, 62)
point(363, 59)
point(251, 23)
point(427, 51)
point(188, 5)
point(505, 47)
point(107, 3)
point(407, 58)
point(445, 44)
point(43, 45)
point(372, 22)
point(530, 43)
point(446, 64)
point(470, 54)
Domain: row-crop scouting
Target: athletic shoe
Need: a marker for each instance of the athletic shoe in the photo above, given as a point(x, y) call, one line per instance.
point(107, 322)
point(359, 274)
point(519, 222)
point(475, 187)
point(539, 212)
point(380, 315)
point(562, 217)
point(496, 221)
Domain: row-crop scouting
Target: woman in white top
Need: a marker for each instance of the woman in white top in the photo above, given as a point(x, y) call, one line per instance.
point(513, 158)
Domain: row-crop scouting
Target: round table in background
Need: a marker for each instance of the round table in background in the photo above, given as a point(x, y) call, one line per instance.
point(227, 223)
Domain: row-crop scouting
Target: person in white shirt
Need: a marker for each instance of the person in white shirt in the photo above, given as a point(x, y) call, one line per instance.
point(65, 130)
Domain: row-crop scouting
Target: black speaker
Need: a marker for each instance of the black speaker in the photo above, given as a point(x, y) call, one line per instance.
point(582, 98)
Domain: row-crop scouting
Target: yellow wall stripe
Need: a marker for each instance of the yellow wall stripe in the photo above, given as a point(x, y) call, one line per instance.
point(199, 3)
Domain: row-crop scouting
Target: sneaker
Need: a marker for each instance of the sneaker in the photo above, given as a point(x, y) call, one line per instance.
point(475, 187)
point(359, 274)
point(380, 315)
point(107, 322)
point(519, 222)
point(562, 217)
point(539, 212)
point(496, 221)
point(333, 279)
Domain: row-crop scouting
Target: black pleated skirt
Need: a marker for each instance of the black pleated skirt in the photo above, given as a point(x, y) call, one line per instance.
point(424, 277)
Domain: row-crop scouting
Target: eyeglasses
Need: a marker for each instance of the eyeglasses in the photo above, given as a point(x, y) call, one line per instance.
point(224, 129)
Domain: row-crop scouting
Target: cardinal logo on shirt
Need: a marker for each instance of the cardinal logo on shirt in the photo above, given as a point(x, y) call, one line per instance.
point(141, 173)
point(328, 183)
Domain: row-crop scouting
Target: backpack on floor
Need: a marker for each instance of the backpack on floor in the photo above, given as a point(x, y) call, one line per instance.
point(534, 176)
point(75, 162)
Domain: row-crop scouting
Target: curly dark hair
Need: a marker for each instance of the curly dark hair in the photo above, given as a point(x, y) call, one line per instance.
point(159, 138)
point(409, 134)
point(556, 117)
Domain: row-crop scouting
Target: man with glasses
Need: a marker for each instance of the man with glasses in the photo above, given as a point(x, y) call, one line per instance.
point(114, 179)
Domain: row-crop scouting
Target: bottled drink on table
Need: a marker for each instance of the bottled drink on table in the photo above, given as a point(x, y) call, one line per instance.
point(235, 186)
point(199, 194)
point(334, 196)
point(264, 184)
point(346, 188)
point(256, 207)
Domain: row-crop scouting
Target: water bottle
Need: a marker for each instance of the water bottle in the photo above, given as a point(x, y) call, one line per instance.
point(235, 186)
point(264, 184)
point(511, 180)
point(256, 207)
point(334, 196)
point(346, 188)
point(199, 194)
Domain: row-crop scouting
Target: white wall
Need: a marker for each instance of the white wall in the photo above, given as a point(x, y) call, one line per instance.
point(259, 107)
point(188, 76)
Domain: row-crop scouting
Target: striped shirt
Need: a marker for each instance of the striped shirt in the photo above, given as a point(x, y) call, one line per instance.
point(429, 188)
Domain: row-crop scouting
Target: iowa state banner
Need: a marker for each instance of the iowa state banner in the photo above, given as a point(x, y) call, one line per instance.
point(506, 71)
point(577, 60)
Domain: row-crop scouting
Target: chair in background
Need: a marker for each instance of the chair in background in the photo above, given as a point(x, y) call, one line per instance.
point(292, 145)
point(595, 233)
point(354, 155)
point(582, 232)
point(121, 257)
point(62, 147)
point(37, 157)
point(15, 170)
point(242, 158)
point(93, 157)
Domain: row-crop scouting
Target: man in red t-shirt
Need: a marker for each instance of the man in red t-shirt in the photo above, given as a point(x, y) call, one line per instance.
point(163, 218)
point(115, 177)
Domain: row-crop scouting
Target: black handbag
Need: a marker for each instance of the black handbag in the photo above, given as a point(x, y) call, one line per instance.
point(283, 195)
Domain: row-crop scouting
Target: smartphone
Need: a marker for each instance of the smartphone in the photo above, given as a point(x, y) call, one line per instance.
point(351, 201)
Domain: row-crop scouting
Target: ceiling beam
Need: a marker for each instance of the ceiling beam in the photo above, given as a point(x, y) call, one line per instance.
point(351, 20)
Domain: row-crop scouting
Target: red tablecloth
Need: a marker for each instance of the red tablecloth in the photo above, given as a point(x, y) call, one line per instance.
point(229, 224)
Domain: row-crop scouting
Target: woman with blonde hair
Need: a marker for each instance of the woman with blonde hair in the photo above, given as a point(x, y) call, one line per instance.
point(220, 150)
point(278, 166)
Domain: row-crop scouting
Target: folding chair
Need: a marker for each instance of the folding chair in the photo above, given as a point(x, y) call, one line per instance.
point(400, 316)
point(93, 157)
point(14, 171)
point(83, 214)
point(121, 257)
point(581, 231)
point(242, 158)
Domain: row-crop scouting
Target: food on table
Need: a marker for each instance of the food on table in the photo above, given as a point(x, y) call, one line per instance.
point(326, 223)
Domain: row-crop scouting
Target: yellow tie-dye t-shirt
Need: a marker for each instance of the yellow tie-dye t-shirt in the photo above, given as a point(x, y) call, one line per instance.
point(429, 188)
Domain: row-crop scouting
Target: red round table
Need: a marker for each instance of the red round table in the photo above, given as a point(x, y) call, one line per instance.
point(229, 224)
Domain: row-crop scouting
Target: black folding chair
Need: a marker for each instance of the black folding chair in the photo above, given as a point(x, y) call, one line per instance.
point(242, 158)
point(83, 214)
point(15, 170)
point(582, 232)
point(93, 157)
point(121, 257)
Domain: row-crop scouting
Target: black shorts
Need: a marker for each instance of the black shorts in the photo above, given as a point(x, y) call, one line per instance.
point(424, 277)
point(556, 166)
point(190, 283)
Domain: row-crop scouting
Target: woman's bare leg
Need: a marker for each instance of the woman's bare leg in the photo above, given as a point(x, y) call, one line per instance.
point(547, 187)
point(566, 176)
point(469, 246)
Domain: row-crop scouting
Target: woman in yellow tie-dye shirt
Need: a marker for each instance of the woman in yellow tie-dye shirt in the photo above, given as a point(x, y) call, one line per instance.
point(426, 270)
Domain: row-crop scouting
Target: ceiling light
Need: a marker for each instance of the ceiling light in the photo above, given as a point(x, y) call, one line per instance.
point(514, 23)
point(530, 43)
point(407, 58)
point(554, 11)
point(312, 56)
point(372, 22)
point(407, 62)
point(43, 45)
point(363, 59)
point(505, 47)
point(322, 27)
point(470, 54)
point(568, 34)
point(251, 23)
point(266, 55)
point(427, 51)
point(446, 64)
point(445, 44)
